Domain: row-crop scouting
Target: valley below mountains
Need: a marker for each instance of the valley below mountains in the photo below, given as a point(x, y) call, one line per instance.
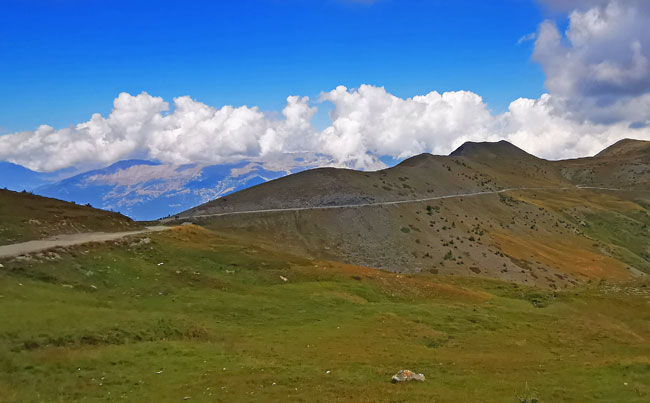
point(493, 275)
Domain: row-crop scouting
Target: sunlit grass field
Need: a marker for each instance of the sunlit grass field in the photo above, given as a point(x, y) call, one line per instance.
point(190, 314)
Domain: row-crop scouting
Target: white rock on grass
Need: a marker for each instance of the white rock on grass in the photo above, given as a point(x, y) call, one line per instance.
point(405, 375)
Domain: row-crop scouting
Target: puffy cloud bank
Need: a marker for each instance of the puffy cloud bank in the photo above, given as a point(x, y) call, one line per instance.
point(141, 126)
point(367, 123)
point(598, 77)
point(599, 69)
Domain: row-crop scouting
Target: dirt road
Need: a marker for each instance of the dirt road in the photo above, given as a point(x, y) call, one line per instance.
point(69, 240)
point(383, 203)
point(77, 239)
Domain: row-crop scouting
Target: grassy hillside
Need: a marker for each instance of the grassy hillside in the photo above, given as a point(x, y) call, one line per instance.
point(625, 164)
point(544, 231)
point(537, 293)
point(547, 238)
point(25, 217)
point(217, 322)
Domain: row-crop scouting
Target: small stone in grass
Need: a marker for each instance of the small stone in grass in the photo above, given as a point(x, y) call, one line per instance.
point(405, 375)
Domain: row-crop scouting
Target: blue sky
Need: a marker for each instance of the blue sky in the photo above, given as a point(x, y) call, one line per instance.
point(351, 83)
point(62, 60)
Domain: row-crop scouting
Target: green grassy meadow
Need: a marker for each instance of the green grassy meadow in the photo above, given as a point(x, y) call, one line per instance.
point(217, 322)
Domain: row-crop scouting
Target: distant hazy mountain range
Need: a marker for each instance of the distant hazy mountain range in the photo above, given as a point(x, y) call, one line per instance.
point(146, 190)
point(16, 177)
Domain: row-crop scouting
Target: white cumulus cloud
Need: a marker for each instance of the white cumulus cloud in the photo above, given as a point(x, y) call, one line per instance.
point(367, 123)
point(141, 126)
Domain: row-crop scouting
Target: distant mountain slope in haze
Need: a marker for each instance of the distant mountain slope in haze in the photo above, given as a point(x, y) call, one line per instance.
point(147, 190)
point(18, 178)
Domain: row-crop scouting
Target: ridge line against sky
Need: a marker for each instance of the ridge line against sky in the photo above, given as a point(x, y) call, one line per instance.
point(597, 77)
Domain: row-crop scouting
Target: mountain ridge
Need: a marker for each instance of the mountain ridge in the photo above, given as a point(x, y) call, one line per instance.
point(473, 167)
point(148, 189)
point(545, 231)
point(487, 149)
point(626, 146)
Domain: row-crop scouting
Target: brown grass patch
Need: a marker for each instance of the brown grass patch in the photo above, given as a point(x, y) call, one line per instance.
point(567, 257)
point(404, 285)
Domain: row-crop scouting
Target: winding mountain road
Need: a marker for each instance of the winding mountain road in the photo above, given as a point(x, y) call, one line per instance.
point(78, 239)
point(383, 203)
